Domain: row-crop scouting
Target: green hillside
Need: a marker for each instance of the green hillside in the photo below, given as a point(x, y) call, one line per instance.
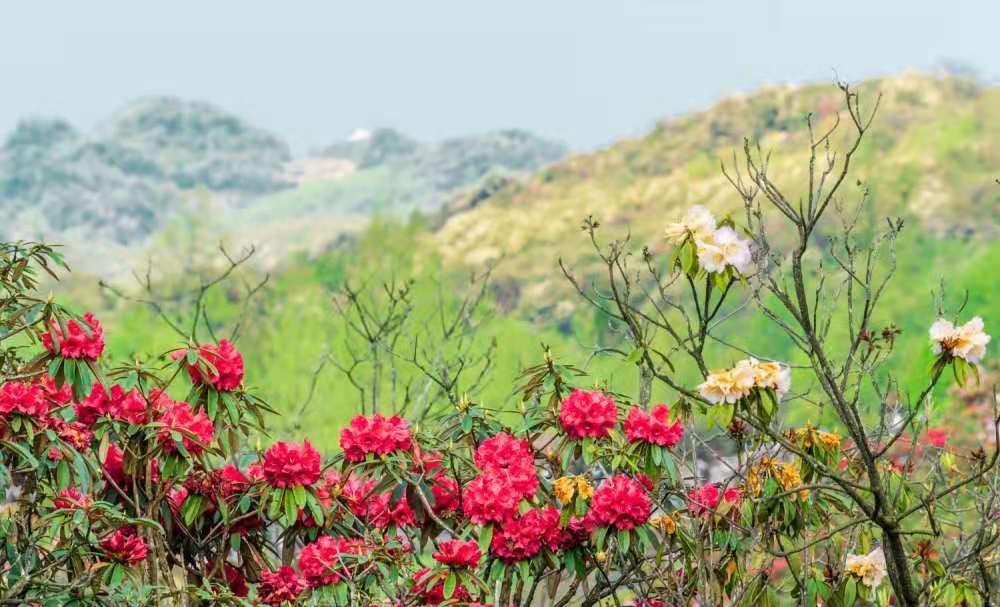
point(931, 159)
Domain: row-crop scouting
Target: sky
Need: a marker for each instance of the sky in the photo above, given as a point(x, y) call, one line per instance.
point(582, 71)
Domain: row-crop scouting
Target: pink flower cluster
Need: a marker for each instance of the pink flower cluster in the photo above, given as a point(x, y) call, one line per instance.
point(457, 553)
point(653, 427)
point(78, 343)
point(330, 559)
point(126, 406)
point(586, 414)
point(621, 502)
point(291, 465)
point(508, 476)
point(228, 363)
point(125, 547)
point(24, 398)
point(704, 500)
point(281, 586)
point(195, 429)
point(375, 434)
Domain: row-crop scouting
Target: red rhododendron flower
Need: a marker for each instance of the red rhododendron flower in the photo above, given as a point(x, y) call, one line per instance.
point(523, 537)
point(128, 406)
point(620, 502)
point(232, 576)
point(445, 492)
point(176, 497)
point(508, 458)
point(653, 427)
point(56, 396)
point(76, 434)
point(291, 465)
point(72, 498)
point(429, 588)
point(78, 342)
point(24, 398)
point(456, 553)
point(705, 499)
point(375, 434)
point(650, 603)
point(490, 499)
point(114, 465)
point(125, 546)
point(228, 363)
point(376, 510)
point(229, 480)
point(195, 429)
point(937, 437)
point(588, 414)
point(281, 586)
point(330, 559)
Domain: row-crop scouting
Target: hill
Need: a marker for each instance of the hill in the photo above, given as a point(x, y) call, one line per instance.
point(932, 158)
point(160, 159)
point(122, 182)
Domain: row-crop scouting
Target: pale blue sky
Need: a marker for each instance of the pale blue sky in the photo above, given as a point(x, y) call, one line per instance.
point(583, 71)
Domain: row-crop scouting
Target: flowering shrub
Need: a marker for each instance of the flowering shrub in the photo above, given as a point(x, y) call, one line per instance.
point(138, 484)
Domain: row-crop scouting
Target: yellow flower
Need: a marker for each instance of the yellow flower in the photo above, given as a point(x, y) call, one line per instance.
point(583, 488)
point(790, 478)
point(601, 556)
point(565, 488)
point(830, 440)
point(665, 523)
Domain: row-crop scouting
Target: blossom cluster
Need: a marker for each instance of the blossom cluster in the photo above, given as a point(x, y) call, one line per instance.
point(654, 427)
point(81, 341)
point(718, 248)
point(376, 434)
point(586, 414)
point(291, 465)
point(224, 368)
point(507, 476)
point(735, 384)
point(967, 341)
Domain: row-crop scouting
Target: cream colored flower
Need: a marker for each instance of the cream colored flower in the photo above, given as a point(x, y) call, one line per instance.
point(724, 249)
point(745, 374)
point(724, 387)
point(771, 375)
point(698, 222)
point(870, 567)
point(967, 342)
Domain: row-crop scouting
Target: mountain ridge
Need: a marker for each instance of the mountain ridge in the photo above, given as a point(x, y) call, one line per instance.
point(930, 157)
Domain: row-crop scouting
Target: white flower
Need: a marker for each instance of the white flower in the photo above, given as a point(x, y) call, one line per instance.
point(967, 342)
point(698, 222)
point(870, 567)
point(725, 248)
point(727, 386)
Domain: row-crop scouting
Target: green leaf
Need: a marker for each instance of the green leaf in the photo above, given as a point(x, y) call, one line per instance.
point(634, 355)
point(624, 540)
point(449, 585)
point(485, 537)
point(23, 452)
